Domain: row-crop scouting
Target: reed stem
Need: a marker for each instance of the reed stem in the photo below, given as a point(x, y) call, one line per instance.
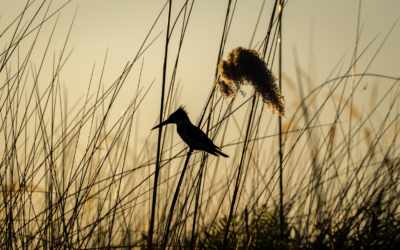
point(157, 170)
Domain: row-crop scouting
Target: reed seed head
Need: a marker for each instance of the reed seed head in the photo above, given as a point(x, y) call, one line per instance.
point(227, 89)
point(246, 66)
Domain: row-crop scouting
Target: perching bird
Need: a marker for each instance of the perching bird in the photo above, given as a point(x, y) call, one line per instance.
point(188, 132)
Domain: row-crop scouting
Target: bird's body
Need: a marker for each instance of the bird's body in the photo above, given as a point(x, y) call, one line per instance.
point(192, 135)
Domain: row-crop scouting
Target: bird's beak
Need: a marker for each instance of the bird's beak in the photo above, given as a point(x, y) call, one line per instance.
point(162, 124)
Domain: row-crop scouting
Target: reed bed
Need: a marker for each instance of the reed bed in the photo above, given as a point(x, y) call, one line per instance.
point(326, 176)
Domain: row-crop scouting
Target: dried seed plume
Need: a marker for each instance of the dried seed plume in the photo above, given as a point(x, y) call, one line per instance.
point(246, 66)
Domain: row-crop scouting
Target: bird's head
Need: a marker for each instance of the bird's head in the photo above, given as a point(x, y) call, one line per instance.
point(179, 116)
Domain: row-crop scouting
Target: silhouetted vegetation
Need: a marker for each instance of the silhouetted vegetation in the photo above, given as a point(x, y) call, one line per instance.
point(71, 179)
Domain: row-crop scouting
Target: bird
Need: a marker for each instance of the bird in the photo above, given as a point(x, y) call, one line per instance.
point(194, 137)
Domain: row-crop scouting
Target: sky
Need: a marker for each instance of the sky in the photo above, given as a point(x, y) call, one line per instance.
point(321, 33)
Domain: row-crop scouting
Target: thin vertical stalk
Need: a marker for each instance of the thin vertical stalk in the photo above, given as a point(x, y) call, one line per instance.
point(271, 22)
point(175, 199)
point(352, 92)
point(157, 170)
point(225, 242)
point(196, 207)
point(169, 219)
point(202, 165)
point(237, 183)
point(280, 125)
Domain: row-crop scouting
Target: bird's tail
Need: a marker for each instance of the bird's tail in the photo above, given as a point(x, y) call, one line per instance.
point(220, 153)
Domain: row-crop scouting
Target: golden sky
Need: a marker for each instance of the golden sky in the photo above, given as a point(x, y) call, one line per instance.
point(322, 32)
